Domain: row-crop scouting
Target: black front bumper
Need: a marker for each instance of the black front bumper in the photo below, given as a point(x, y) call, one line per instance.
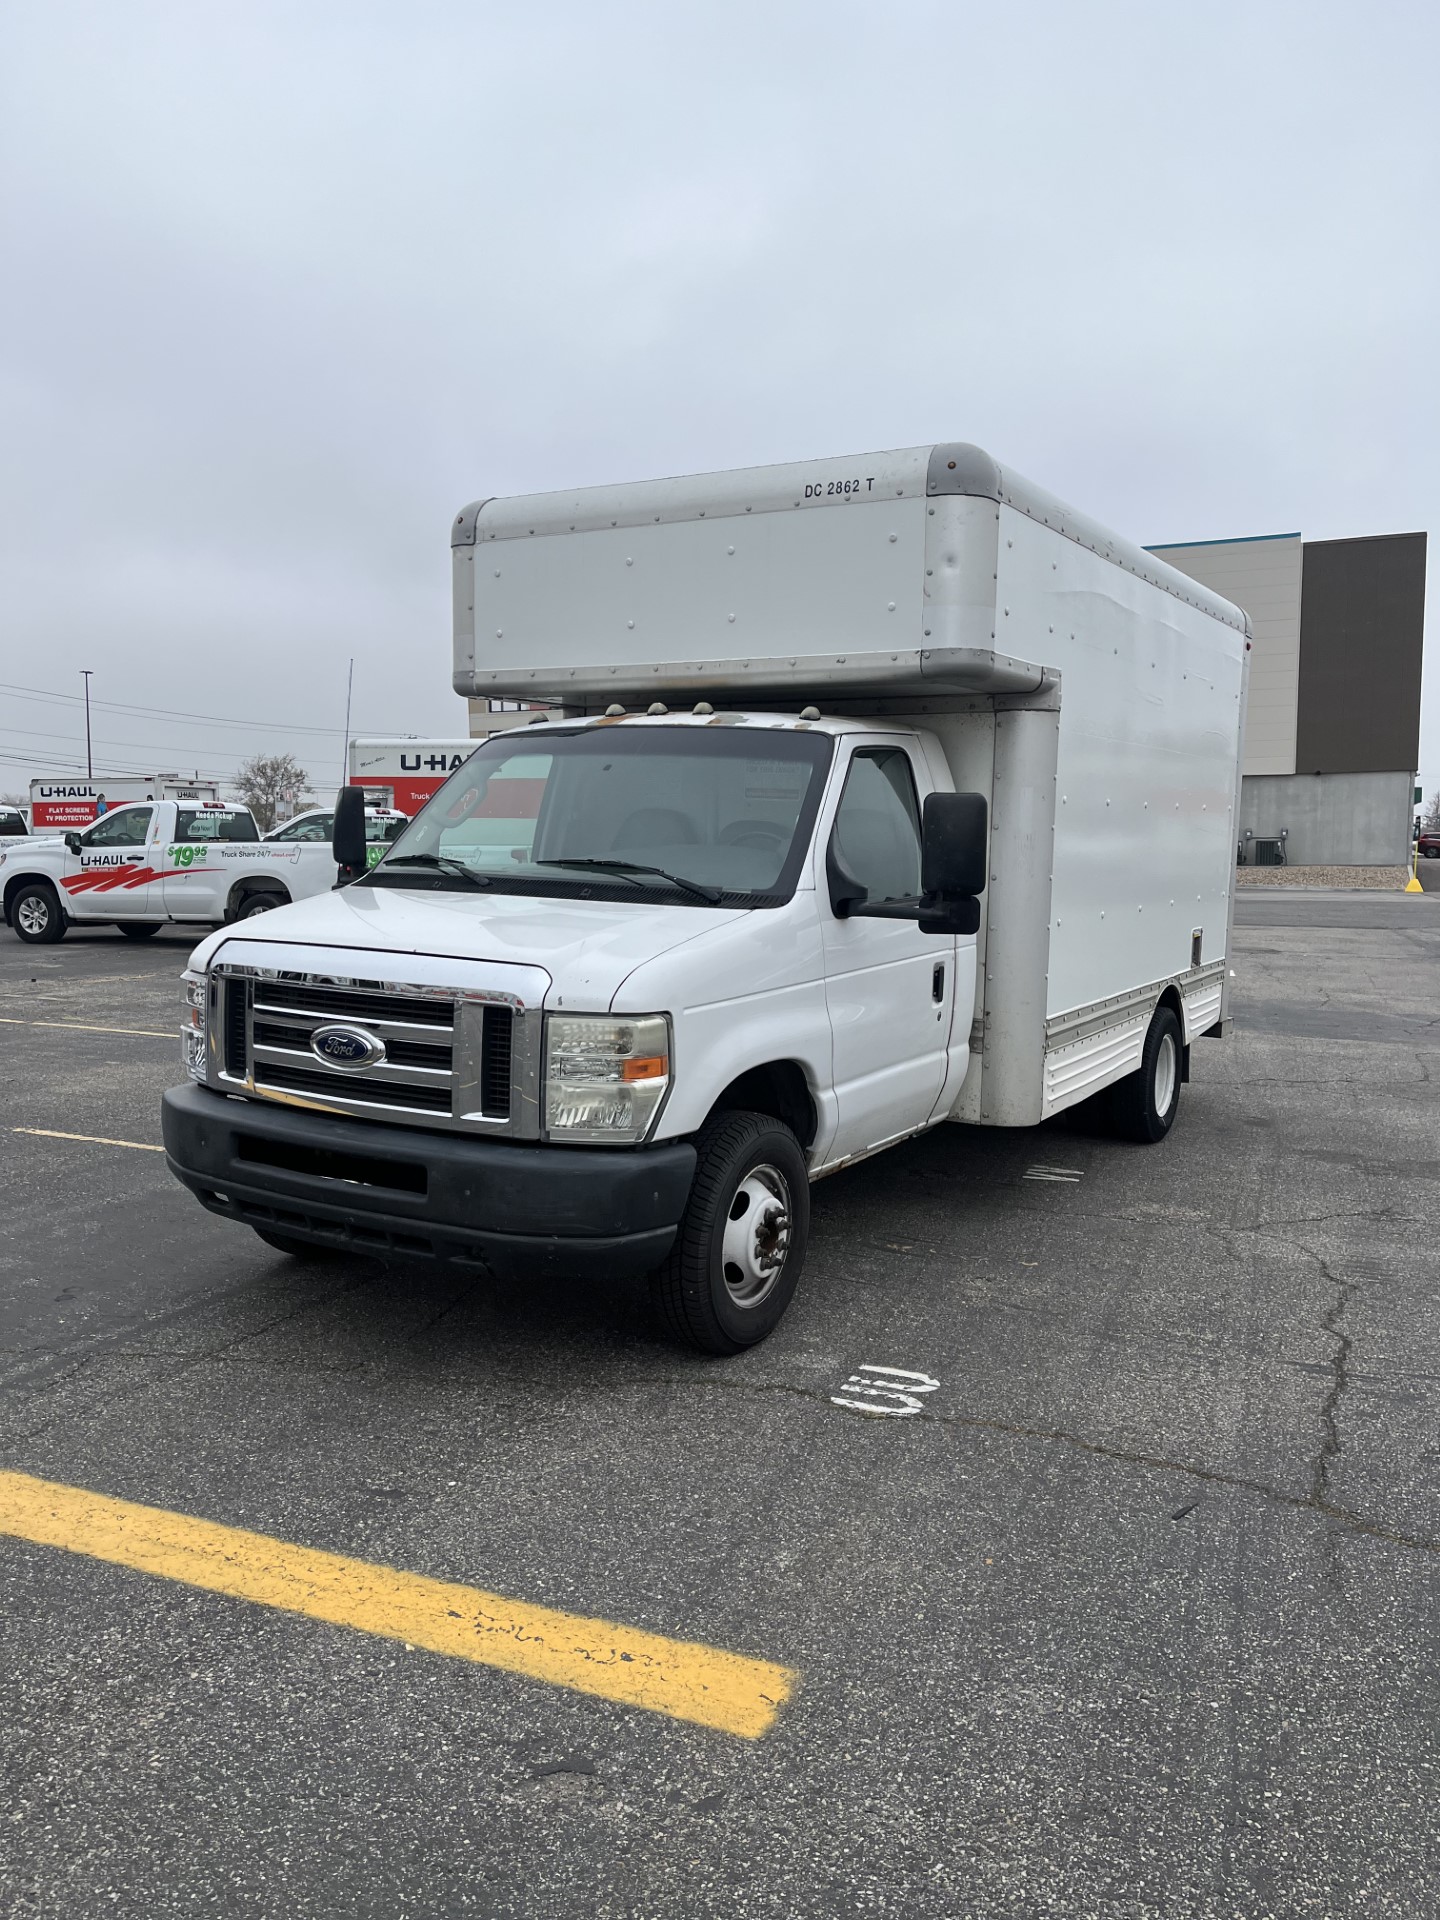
point(402, 1193)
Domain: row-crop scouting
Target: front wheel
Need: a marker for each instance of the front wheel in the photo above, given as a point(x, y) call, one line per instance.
point(254, 903)
point(297, 1248)
point(1143, 1105)
point(138, 929)
point(37, 915)
point(741, 1245)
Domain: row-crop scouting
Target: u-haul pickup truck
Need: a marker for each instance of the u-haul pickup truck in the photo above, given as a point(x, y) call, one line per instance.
point(892, 792)
point(382, 825)
point(140, 866)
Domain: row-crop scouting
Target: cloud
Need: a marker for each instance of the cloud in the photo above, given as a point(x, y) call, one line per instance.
point(297, 281)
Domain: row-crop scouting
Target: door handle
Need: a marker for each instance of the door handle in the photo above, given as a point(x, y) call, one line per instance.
point(937, 981)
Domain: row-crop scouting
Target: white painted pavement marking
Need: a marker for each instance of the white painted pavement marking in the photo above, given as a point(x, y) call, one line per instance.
point(79, 1026)
point(885, 1385)
point(1071, 1174)
point(90, 1139)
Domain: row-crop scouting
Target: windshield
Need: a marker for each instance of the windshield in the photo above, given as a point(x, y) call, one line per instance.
point(698, 814)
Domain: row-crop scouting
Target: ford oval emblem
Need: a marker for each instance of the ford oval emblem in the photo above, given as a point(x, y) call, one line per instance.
point(346, 1047)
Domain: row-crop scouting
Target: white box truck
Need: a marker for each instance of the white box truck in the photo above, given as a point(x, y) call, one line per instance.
point(57, 806)
point(888, 791)
point(405, 771)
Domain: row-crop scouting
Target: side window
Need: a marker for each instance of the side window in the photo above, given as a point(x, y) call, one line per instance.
point(877, 824)
point(209, 823)
point(126, 828)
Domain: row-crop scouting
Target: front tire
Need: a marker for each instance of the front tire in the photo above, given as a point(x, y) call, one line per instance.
point(298, 1249)
point(138, 929)
point(1143, 1105)
point(254, 903)
point(37, 915)
point(741, 1246)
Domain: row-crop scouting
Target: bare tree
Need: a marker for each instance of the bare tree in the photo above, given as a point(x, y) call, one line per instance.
point(23, 799)
point(1430, 819)
point(264, 781)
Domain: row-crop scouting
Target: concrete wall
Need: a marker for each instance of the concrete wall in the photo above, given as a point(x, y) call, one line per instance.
point(1262, 575)
point(1335, 819)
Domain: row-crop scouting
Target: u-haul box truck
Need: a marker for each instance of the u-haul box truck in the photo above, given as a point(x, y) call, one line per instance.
point(404, 773)
point(57, 806)
point(892, 791)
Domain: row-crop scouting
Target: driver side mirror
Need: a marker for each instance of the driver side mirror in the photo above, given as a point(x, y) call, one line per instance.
point(73, 842)
point(347, 839)
point(954, 862)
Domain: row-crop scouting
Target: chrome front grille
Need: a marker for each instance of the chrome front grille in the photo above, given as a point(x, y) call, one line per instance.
point(453, 1057)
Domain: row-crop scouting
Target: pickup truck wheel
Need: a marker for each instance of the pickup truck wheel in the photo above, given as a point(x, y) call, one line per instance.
point(138, 929)
point(741, 1245)
point(1144, 1104)
point(37, 915)
point(254, 903)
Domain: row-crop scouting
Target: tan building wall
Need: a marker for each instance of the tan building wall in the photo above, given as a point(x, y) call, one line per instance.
point(1262, 576)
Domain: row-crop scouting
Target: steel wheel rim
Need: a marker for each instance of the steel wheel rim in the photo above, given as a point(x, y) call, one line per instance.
point(1165, 1074)
point(756, 1241)
point(33, 915)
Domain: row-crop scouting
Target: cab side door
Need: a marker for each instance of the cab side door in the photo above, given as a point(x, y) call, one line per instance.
point(890, 988)
point(112, 876)
point(200, 863)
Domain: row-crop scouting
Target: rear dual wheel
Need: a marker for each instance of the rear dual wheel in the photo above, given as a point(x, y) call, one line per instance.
point(741, 1245)
point(1144, 1104)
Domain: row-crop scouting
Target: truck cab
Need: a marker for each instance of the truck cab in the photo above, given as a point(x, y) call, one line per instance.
point(382, 825)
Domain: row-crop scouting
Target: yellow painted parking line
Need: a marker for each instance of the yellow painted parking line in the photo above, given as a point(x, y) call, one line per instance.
point(681, 1678)
point(78, 1026)
point(90, 1139)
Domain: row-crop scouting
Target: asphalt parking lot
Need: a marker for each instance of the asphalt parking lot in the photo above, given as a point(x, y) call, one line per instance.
point(1136, 1614)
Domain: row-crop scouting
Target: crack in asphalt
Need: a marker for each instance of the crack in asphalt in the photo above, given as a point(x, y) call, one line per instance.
point(113, 1347)
point(1328, 1452)
point(1315, 1500)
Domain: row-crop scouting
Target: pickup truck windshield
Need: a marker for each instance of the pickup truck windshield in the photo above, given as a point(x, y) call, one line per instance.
point(699, 815)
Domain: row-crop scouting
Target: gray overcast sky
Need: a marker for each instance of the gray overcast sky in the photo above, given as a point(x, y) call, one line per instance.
point(285, 284)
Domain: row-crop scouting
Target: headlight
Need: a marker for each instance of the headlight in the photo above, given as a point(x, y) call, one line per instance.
point(605, 1079)
point(192, 1030)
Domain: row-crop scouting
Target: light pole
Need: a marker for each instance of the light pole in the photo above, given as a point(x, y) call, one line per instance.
point(345, 761)
point(89, 761)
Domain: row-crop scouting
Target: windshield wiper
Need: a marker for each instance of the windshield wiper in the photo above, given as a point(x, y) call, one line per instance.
point(627, 868)
point(438, 863)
